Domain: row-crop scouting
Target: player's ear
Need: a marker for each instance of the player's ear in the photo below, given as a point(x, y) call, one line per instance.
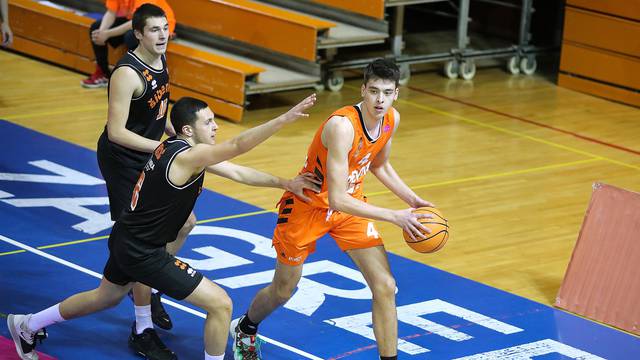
point(187, 130)
point(362, 88)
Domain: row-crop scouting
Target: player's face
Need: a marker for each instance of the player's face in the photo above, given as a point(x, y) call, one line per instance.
point(155, 36)
point(378, 95)
point(205, 127)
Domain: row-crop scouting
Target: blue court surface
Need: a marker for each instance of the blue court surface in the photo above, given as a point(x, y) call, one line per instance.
point(51, 193)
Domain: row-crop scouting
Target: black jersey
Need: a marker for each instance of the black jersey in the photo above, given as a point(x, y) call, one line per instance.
point(158, 207)
point(147, 112)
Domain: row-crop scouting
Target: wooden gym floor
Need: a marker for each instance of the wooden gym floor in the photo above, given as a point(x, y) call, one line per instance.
point(510, 160)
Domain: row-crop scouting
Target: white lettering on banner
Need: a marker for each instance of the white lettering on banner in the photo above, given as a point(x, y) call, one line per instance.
point(95, 221)
point(310, 294)
point(412, 314)
point(528, 351)
point(220, 259)
point(64, 175)
point(361, 324)
point(261, 244)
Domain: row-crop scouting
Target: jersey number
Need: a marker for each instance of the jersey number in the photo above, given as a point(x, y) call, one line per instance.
point(136, 191)
point(371, 231)
point(162, 109)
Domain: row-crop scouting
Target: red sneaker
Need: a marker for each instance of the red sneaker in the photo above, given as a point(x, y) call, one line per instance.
point(96, 80)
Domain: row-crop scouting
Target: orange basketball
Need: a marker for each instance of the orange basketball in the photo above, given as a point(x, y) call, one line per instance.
point(439, 232)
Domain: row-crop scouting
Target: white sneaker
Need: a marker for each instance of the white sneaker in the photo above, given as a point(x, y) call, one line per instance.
point(23, 338)
point(245, 347)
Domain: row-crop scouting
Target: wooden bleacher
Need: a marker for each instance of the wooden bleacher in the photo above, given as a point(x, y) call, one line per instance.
point(600, 53)
point(61, 37)
point(371, 8)
point(254, 23)
point(292, 46)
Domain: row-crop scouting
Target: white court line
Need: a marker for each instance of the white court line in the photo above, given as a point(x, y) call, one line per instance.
point(166, 301)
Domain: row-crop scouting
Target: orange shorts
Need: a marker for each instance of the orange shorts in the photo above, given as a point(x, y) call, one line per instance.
point(300, 225)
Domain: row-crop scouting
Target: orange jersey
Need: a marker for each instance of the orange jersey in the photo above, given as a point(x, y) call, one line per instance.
point(126, 8)
point(364, 149)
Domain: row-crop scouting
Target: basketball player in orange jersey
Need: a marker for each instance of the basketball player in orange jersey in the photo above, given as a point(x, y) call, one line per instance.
point(352, 141)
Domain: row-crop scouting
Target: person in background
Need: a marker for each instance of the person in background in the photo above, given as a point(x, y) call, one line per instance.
point(115, 28)
point(7, 34)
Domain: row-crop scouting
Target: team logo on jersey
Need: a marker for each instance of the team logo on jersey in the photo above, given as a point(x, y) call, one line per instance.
point(357, 152)
point(147, 75)
point(386, 128)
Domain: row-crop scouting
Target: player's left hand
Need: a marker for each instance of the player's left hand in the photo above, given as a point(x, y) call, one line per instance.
point(419, 202)
point(301, 182)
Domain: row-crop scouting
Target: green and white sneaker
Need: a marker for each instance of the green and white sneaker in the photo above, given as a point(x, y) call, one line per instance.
point(245, 347)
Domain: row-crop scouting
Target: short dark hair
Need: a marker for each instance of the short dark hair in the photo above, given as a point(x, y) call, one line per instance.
point(144, 12)
point(384, 69)
point(184, 112)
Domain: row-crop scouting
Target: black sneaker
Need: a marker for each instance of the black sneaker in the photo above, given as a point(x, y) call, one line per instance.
point(149, 345)
point(158, 314)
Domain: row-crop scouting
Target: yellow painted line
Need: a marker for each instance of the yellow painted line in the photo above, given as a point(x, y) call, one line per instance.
point(507, 131)
point(73, 242)
point(493, 176)
point(12, 252)
point(515, 133)
point(259, 212)
point(58, 245)
point(107, 236)
point(236, 216)
point(57, 112)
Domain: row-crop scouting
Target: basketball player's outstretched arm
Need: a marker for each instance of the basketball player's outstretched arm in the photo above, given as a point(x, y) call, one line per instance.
point(382, 169)
point(202, 155)
point(124, 84)
point(338, 136)
point(253, 177)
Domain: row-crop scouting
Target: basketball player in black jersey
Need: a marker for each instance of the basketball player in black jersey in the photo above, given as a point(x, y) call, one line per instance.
point(137, 118)
point(161, 201)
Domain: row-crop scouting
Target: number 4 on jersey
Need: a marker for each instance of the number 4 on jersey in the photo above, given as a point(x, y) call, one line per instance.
point(371, 231)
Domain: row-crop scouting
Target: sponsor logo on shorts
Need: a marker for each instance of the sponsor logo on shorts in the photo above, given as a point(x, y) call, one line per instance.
point(184, 266)
point(291, 258)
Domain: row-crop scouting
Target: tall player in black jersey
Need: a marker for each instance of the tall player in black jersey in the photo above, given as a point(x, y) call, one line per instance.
point(137, 118)
point(161, 201)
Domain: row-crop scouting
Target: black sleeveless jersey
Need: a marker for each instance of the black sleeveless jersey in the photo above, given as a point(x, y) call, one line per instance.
point(158, 207)
point(147, 112)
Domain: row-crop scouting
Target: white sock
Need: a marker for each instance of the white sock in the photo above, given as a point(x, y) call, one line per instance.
point(143, 318)
point(45, 317)
point(213, 357)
